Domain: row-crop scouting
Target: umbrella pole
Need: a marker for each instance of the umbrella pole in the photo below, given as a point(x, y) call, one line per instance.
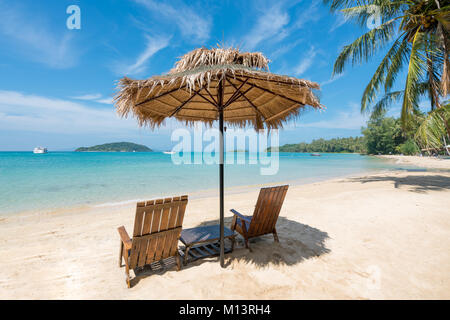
point(221, 169)
point(221, 192)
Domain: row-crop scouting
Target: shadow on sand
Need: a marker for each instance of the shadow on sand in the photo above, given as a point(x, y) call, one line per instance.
point(298, 242)
point(420, 184)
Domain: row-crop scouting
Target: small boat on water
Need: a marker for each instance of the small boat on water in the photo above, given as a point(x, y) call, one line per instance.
point(168, 152)
point(40, 150)
point(315, 154)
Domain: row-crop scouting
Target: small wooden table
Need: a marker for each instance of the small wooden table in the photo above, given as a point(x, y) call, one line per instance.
point(202, 242)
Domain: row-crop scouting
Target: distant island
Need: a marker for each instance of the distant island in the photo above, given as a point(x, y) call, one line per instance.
point(116, 147)
point(337, 145)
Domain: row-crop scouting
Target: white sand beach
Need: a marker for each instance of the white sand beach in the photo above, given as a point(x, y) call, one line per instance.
point(426, 162)
point(380, 236)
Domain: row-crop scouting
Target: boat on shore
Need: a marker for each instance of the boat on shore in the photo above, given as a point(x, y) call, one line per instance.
point(40, 150)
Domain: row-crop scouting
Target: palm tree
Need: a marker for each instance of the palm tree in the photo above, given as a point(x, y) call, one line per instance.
point(417, 33)
point(434, 129)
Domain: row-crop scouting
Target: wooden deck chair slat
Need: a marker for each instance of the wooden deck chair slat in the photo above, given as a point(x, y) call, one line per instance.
point(167, 246)
point(176, 219)
point(163, 227)
point(151, 249)
point(173, 214)
point(181, 211)
point(147, 220)
point(134, 252)
point(279, 204)
point(159, 248)
point(172, 242)
point(260, 205)
point(142, 252)
point(266, 211)
point(272, 206)
point(156, 217)
point(138, 221)
point(165, 214)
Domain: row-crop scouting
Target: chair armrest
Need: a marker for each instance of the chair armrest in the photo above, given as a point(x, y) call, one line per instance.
point(241, 216)
point(124, 237)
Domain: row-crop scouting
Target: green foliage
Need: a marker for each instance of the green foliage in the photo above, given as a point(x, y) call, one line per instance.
point(434, 131)
point(344, 145)
point(383, 135)
point(408, 148)
point(116, 147)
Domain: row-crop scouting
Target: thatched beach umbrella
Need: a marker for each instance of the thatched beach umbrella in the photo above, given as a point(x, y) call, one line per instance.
point(217, 84)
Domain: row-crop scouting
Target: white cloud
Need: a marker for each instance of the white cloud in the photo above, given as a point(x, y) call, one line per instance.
point(23, 112)
point(95, 97)
point(284, 49)
point(332, 79)
point(269, 25)
point(92, 96)
point(191, 24)
point(105, 100)
point(153, 46)
point(306, 62)
point(34, 38)
point(340, 21)
point(310, 14)
point(352, 119)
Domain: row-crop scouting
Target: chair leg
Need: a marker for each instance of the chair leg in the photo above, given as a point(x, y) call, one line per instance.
point(186, 251)
point(233, 240)
point(127, 275)
point(127, 268)
point(275, 235)
point(246, 243)
point(120, 254)
point(233, 223)
point(178, 258)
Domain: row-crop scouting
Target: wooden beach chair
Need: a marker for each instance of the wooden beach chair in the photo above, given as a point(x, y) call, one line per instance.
point(264, 217)
point(157, 228)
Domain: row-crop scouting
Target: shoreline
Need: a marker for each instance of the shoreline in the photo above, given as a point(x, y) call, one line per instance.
point(196, 194)
point(431, 164)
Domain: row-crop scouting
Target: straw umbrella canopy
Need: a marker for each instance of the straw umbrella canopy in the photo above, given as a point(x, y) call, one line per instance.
point(221, 84)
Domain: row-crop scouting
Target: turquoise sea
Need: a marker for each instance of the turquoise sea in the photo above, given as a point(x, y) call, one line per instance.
point(66, 179)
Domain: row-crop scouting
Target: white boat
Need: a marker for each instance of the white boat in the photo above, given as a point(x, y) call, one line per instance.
point(40, 150)
point(168, 152)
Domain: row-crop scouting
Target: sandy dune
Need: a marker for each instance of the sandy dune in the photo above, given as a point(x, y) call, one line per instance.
point(383, 236)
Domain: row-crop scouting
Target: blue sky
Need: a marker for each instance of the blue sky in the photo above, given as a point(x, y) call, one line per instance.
point(57, 84)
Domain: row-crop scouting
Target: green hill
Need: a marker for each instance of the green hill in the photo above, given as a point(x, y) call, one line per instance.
point(116, 147)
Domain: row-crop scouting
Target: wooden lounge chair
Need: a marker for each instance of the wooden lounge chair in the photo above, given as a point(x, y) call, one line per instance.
point(157, 228)
point(264, 216)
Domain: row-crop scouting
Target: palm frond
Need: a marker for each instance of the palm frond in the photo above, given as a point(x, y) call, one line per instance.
point(379, 76)
point(363, 48)
point(415, 74)
point(433, 128)
point(400, 58)
point(382, 105)
point(384, 9)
